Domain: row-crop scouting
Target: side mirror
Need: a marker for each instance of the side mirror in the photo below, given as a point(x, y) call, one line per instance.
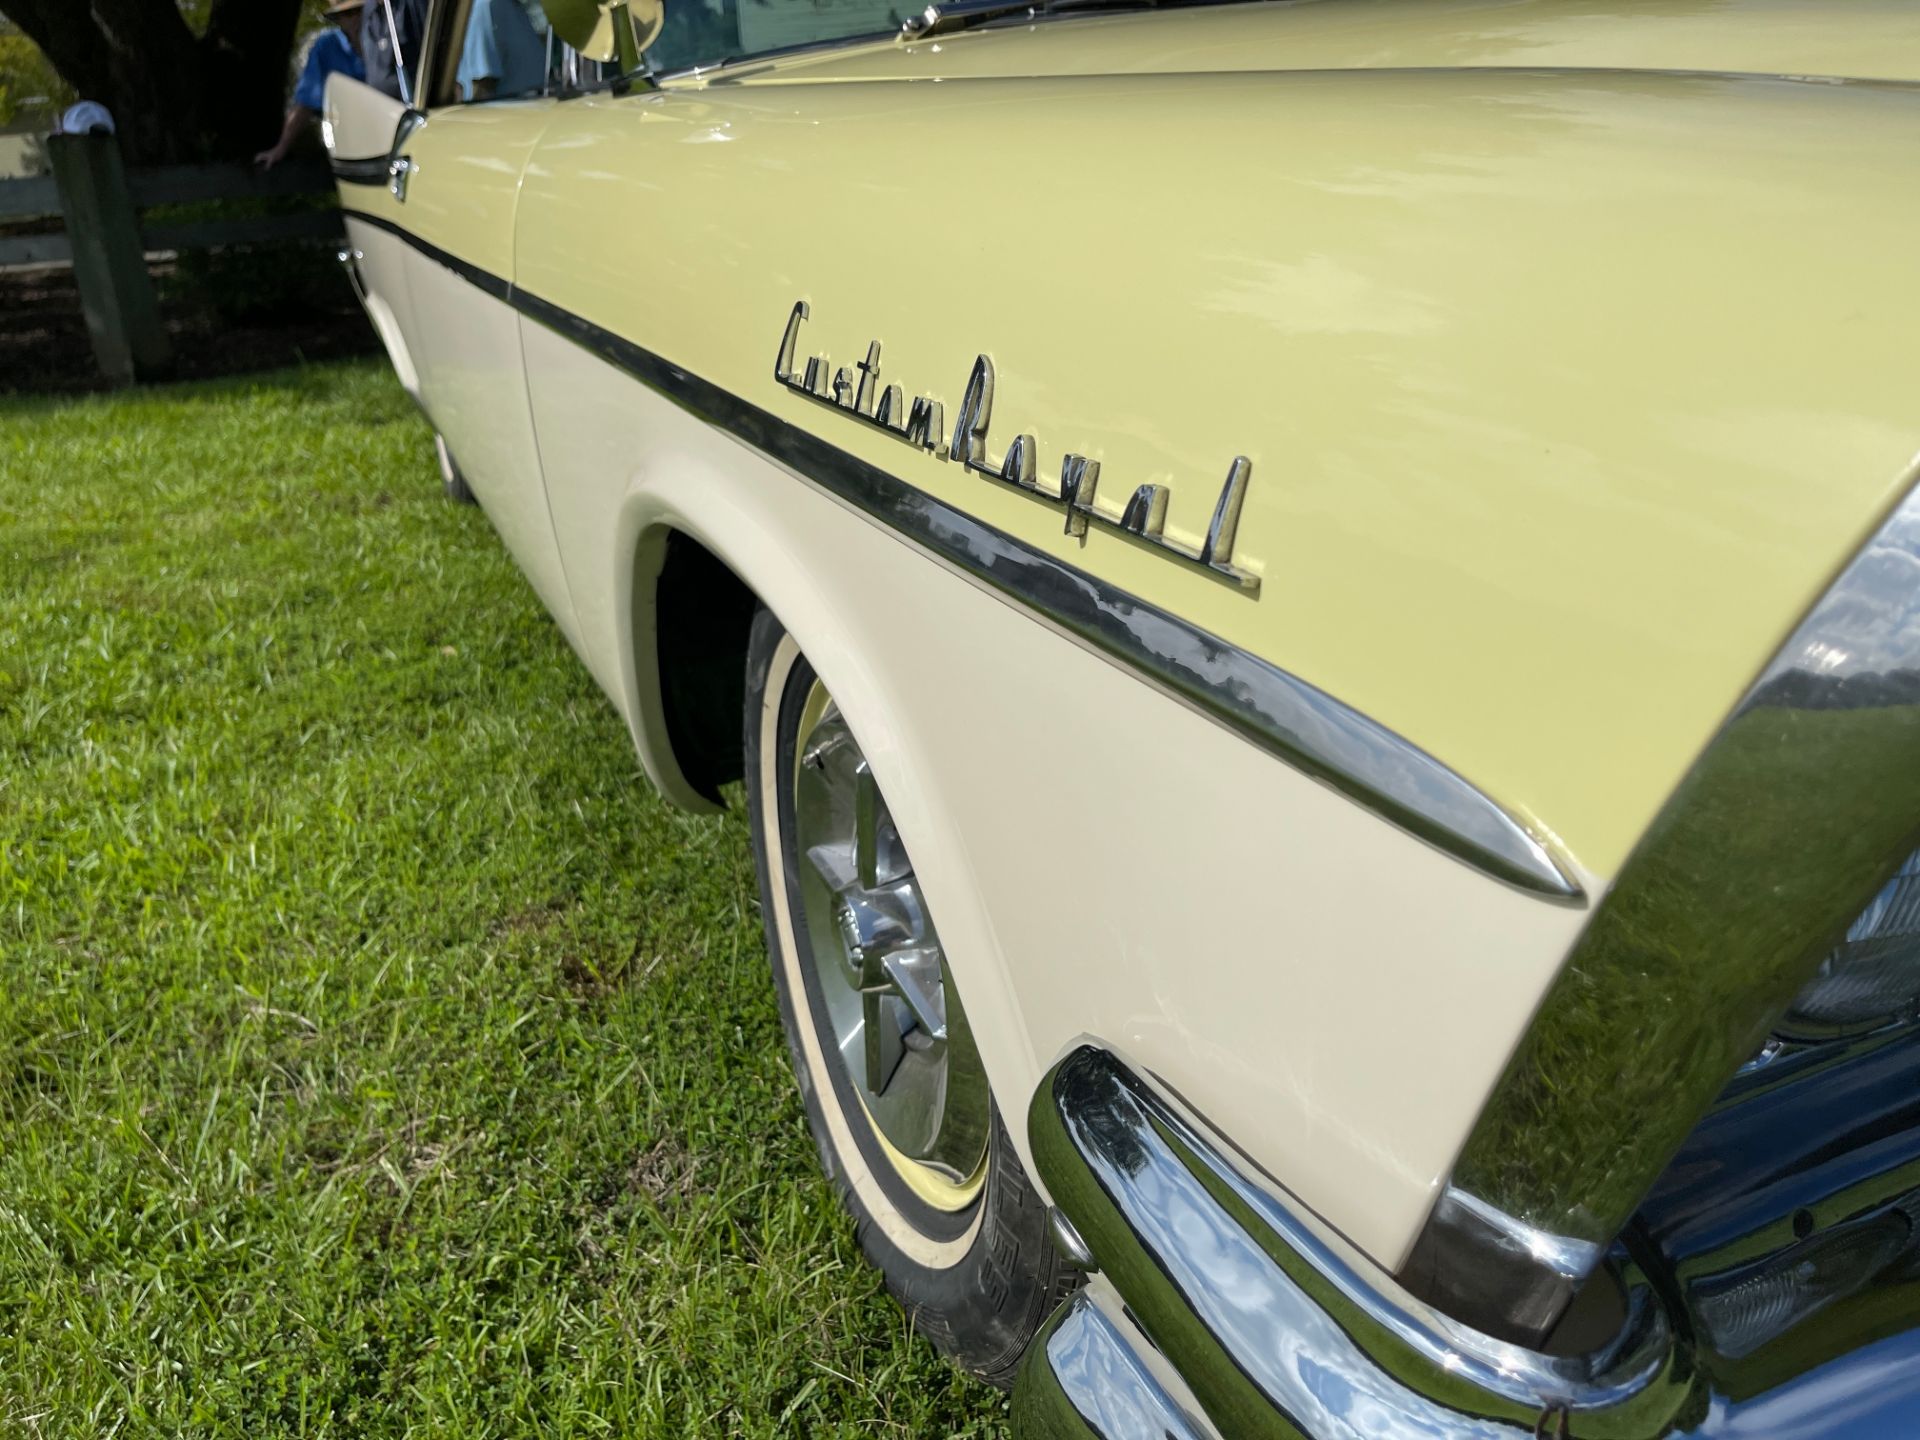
point(607, 30)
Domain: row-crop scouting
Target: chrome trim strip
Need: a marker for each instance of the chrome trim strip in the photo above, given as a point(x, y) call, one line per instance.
point(1573, 1258)
point(1792, 819)
point(1278, 1335)
point(350, 259)
point(1260, 702)
point(941, 19)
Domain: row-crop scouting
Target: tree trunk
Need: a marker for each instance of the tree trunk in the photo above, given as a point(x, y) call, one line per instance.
point(174, 96)
point(150, 64)
point(243, 62)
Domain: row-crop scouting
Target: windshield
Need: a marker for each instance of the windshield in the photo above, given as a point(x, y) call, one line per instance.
point(706, 32)
point(701, 33)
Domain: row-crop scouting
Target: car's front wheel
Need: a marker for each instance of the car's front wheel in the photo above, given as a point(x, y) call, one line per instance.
point(897, 1098)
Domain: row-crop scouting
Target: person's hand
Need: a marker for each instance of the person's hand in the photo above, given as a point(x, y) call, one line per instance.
point(267, 159)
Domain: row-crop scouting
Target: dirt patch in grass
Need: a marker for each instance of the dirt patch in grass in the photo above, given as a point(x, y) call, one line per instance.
point(529, 919)
point(664, 1173)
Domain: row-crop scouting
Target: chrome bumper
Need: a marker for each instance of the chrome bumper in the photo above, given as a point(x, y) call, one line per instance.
point(1088, 1374)
point(1217, 1312)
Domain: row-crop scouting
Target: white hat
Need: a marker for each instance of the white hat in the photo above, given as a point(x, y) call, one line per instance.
point(83, 118)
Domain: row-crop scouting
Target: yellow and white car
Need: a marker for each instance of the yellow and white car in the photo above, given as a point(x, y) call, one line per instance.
point(1347, 574)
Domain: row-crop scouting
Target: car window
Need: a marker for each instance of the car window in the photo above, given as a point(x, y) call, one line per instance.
point(507, 50)
point(705, 32)
point(503, 51)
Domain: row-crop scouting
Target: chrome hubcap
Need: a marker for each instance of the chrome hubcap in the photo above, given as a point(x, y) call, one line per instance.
point(882, 976)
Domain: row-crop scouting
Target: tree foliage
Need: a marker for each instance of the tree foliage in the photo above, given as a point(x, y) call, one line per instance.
point(28, 85)
point(185, 79)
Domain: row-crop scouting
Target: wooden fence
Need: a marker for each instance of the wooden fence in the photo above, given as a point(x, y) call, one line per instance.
point(105, 238)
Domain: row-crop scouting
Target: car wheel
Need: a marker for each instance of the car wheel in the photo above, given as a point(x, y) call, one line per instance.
point(451, 479)
point(894, 1089)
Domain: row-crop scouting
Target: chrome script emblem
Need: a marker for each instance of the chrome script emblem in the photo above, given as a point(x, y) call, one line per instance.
point(856, 391)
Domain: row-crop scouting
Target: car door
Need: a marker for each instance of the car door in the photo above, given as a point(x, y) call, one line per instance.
point(359, 126)
point(453, 187)
point(588, 157)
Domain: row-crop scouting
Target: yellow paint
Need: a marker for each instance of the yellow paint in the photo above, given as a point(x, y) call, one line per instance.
point(469, 161)
point(933, 1188)
point(1565, 392)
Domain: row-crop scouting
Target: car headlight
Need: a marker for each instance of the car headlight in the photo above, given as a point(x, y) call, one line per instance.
point(1872, 978)
point(1746, 1309)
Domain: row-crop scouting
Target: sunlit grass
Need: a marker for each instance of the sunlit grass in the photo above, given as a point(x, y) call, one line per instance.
point(377, 1053)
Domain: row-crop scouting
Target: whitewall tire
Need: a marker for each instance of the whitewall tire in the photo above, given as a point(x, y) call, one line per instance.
point(900, 1109)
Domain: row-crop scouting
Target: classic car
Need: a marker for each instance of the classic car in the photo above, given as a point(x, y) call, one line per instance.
point(1346, 574)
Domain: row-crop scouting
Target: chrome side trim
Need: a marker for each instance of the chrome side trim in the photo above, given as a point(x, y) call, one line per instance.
point(350, 259)
point(957, 14)
point(1258, 701)
point(1276, 1334)
point(1792, 819)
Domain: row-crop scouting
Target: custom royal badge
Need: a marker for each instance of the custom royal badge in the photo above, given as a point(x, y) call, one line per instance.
point(857, 391)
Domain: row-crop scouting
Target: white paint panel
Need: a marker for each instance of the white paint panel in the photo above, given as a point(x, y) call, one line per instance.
point(357, 120)
point(383, 262)
point(474, 389)
point(584, 452)
point(1103, 861)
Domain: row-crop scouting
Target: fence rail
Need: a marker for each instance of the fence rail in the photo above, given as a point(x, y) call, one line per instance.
point(106, 239)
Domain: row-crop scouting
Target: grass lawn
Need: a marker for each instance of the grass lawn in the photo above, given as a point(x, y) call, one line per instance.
point(377, 1053)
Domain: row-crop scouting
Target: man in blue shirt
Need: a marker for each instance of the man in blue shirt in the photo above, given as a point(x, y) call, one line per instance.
point(334, 50)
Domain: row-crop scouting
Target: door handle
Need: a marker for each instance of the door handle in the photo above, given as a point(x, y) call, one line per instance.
point(400, 167)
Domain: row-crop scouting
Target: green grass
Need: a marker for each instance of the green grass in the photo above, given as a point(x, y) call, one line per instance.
point(378, 1054)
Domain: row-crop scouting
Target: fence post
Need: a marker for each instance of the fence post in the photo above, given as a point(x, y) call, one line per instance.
point(109, 264)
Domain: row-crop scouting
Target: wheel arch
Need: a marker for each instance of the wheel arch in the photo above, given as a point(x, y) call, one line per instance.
point(694, 582)
point(689, 536)
point(693, 623)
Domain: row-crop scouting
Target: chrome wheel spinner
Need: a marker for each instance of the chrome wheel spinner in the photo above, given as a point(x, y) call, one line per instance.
point(882, 974)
